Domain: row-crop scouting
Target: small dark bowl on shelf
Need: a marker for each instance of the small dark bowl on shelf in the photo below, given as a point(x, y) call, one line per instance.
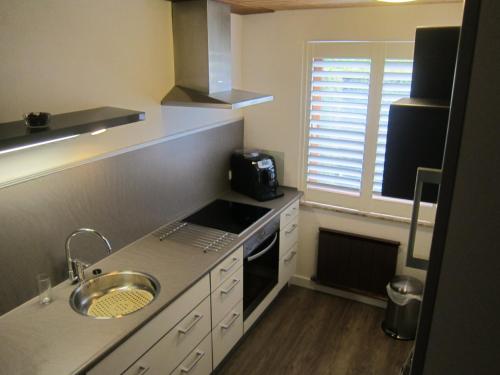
point(37, 120)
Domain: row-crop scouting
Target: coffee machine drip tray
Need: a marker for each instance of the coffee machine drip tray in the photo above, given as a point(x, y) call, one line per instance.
point(227, 216)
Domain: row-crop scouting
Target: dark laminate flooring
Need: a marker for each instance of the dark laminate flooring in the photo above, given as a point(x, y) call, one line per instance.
point(306, 332)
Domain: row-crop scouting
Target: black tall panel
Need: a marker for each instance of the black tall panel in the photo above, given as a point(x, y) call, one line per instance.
point(415, 138)
point(434, 62)
point(417, 126)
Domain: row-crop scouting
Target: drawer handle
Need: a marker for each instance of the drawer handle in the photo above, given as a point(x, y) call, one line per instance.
point(199, 356)
point(197, 318)
point(142, 370)
point(288, 214)
point(294, 226)
point(234, 263)
point(292, 255)
point(226, 291)
point(231, 322)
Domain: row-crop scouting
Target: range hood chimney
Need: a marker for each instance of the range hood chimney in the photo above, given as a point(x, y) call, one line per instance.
point(202, 57)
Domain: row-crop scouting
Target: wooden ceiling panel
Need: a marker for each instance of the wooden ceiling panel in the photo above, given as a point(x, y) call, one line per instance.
point(243, 9)
point(263, 6)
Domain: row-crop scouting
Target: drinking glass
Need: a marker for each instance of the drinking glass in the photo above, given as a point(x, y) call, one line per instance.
point(44, 288)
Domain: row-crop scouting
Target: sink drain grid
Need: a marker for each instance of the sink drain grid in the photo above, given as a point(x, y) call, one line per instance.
point(119, 302)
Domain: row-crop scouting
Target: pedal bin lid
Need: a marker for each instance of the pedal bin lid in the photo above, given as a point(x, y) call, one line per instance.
point(407, 285)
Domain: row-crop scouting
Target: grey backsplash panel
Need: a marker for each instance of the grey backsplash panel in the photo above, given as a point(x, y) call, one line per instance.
point(124, 196)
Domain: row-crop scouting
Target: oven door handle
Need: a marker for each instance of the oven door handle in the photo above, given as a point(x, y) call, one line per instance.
point(261, 253)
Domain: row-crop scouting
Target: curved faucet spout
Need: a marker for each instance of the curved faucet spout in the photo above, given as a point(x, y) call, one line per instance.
point(76, 267)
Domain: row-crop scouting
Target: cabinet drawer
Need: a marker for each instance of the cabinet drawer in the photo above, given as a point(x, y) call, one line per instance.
point(289, 236)
point(166, 355)
point(288, 265)
point(290, 213)
point(220, 273)
point(199, 361)
point(227, 333)
point(132, 349)
point(227, 295)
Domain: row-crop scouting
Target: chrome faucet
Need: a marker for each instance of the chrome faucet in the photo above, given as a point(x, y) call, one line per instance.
point(76, 268)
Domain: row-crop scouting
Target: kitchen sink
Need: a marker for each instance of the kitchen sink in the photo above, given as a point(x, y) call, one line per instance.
point(114, 294)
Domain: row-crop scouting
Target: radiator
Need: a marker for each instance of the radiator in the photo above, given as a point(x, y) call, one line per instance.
point(356, 263)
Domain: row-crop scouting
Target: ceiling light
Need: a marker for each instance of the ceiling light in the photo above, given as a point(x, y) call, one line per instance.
point(37, 144)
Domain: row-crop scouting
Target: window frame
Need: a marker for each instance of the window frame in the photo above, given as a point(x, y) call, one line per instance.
point(366, 201)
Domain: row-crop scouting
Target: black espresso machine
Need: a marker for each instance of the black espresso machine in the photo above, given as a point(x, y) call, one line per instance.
point(253, 173)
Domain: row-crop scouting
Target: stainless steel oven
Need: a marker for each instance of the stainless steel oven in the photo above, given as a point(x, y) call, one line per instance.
point(260, 265)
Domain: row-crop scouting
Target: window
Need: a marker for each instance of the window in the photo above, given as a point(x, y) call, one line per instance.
point(350, 86)
point(396, 85)
point(338, 114)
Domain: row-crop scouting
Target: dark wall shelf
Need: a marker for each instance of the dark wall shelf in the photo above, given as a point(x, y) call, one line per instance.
point(416, 136)
point(16, 134)
point(434, 62)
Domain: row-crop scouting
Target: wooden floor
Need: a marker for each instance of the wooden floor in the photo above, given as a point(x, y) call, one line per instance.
point(307, 333)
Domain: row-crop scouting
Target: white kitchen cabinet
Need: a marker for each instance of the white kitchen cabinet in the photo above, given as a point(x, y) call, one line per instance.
point(227, 307)
point(289, 235)
point(220, 273)
point(141, 341)
point(227, 333)
point(288, 265)
point(227, 295)
point(288, 214)
point(199, 361)
point(166, 355)
point(196, 332)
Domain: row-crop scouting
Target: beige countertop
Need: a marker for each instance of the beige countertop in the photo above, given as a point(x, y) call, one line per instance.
point(53, 339)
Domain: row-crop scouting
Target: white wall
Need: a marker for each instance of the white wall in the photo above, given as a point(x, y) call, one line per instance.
point(60, 56)
point(274, 46)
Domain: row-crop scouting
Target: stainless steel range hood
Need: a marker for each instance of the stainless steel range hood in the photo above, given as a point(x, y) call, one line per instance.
point(202, 57)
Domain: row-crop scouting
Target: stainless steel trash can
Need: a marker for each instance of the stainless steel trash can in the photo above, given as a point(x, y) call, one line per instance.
point(401, 315)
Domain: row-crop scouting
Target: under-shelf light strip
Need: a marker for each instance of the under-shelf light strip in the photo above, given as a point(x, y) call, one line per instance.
point(37, 144)
point(100, 131)
point(396, 1)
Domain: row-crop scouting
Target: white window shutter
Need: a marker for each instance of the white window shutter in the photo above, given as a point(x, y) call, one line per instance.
point(338, 116)
point(396, 85)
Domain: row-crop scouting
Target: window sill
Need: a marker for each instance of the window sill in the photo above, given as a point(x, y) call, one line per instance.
point(373, 215)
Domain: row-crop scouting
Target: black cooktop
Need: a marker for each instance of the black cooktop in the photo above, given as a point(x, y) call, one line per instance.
point(227, 216)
